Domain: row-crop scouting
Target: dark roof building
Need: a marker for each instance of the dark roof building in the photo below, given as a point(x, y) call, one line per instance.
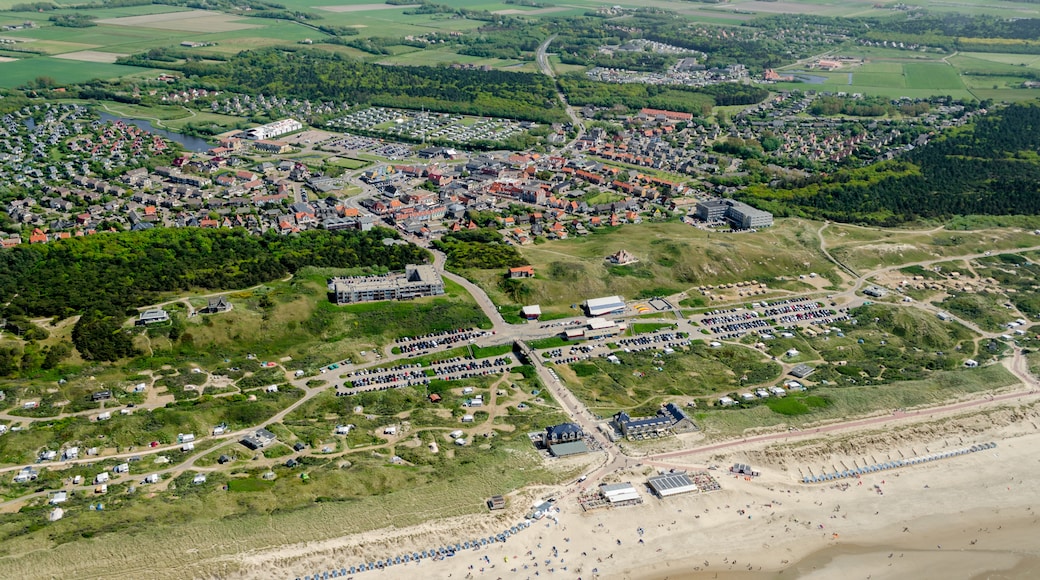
point(218, 304)
point(258, 440)
point(671, 484)
point(668, 417)
point(801, 371)
point(562, 433)
point(569, 448)
point(640, 425)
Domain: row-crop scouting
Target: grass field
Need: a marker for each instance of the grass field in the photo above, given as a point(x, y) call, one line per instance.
point(931, 76)
point(17, 73)
point(673, 258)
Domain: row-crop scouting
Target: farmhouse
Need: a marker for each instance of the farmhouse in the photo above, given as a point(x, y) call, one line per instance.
point(522, 272)
point(622, 258)
point(422, 280)
point(217, 304)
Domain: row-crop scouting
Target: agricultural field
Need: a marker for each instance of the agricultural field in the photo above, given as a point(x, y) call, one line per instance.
point(673, 258)
point(19, 72)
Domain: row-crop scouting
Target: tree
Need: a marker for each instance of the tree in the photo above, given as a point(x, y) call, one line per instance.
point(56, 354)
point(100, 336)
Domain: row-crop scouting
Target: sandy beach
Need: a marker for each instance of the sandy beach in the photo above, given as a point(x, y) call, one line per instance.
point(973, 516)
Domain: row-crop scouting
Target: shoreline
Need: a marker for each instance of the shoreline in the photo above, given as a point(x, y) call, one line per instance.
point(970, 516)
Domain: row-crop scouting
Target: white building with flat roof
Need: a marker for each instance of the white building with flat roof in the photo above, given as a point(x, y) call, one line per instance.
point(602, 306)
point(274, 129)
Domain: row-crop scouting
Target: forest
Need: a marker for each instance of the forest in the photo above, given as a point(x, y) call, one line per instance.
point(581, 90)
point(318, 75)
point(484, 248)
point(989, 167)
point(111, 273)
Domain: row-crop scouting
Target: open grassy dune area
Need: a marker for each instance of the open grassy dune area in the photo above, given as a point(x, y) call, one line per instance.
point(673, 258)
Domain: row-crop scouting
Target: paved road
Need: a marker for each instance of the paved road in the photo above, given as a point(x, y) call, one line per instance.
point(542, 57)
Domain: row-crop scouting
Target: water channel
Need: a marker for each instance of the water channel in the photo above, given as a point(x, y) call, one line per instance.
point(189, 143)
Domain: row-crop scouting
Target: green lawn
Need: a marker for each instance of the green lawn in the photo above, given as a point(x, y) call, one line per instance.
point(932, 76)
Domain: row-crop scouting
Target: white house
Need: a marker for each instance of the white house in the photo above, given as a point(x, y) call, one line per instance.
point(101, 478)
point(59, 497)
point(70, 453)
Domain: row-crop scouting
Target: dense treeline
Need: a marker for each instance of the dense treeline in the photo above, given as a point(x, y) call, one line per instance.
point(113, 272)
point(581, 90)
point(990, 168)
point(73, 20)
point(319, 75)
point(483, 248)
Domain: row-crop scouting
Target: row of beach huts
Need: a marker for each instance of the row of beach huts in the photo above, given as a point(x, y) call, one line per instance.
point(432, 554)
point(856, 472)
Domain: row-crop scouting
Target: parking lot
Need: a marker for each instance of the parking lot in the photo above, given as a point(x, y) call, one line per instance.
point(661, 340)
point(412, 374)
point(736, 322)
point(348, 144)
point(439, 339)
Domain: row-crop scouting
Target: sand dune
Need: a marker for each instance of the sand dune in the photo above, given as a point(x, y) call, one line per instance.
point(972, 516)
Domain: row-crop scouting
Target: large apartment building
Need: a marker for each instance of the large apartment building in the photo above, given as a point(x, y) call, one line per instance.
point(416, 281)
point(740, 215)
